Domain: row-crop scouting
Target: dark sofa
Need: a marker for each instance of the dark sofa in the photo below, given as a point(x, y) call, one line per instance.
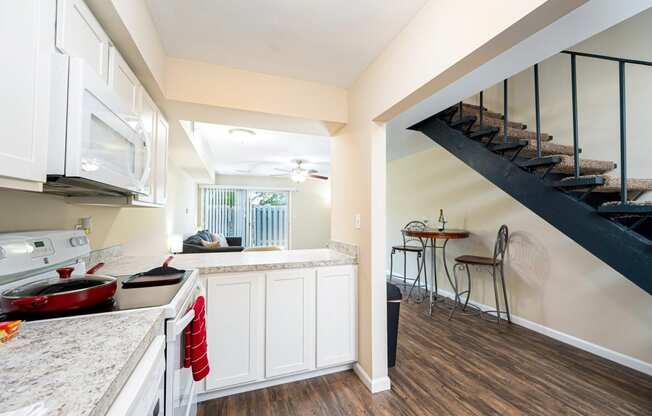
point(191, 246)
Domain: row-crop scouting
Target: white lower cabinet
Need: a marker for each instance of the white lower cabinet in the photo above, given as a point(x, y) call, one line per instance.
point(336, 315)
point(290, 319)
point(264, 326)
point(235, 317)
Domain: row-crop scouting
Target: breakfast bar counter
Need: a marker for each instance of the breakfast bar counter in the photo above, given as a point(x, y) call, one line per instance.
point(209, 263)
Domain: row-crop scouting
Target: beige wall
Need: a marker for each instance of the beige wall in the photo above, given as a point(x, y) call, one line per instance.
point(220, 86)
point(551, 280)
point(597, 86)
point(141, 230)
point(310, 205)
point(419, 53)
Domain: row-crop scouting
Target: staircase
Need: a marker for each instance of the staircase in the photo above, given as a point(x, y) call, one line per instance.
point(593, 202)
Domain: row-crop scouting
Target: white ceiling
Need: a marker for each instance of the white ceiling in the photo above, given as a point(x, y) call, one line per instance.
point(264, 153)
point(327, 41)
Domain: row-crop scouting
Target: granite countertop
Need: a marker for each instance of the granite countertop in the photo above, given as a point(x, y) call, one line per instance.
point(208, 263)
point(75, 366)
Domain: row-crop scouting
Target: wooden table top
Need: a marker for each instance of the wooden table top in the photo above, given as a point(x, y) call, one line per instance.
point(447, 234)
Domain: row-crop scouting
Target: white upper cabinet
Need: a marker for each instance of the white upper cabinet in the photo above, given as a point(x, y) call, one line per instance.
point(336, 315)
point(161, 165)
point(290, 316)
point(27, 43)
point(123, 80)
point(80, 35)
point(235, 328)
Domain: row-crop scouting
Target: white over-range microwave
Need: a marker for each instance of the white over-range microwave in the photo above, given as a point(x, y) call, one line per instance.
point(97, 145)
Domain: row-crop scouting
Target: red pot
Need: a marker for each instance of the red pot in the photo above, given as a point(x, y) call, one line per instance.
point(67, 293)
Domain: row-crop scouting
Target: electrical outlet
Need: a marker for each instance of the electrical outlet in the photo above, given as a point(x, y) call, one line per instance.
point(357, 221)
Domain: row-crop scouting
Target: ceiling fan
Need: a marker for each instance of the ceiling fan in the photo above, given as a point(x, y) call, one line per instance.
point(299, 174)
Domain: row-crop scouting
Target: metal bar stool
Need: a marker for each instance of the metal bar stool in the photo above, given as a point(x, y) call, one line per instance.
point(496, 263)
point(408, 246)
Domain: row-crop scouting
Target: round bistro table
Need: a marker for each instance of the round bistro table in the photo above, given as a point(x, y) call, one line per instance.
point(428, 238)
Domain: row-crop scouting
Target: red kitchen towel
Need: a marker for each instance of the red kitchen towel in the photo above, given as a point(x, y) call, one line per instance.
point(196, 353)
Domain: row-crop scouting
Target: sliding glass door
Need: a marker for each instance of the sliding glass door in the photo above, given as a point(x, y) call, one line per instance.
point(261, 217)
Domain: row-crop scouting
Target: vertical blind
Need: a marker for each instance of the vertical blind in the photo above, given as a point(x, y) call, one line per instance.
point(231, 211)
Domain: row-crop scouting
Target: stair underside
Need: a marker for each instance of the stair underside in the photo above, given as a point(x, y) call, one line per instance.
point(612, 183)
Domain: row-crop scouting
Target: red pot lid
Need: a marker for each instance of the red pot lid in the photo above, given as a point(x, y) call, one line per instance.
point(58, 286)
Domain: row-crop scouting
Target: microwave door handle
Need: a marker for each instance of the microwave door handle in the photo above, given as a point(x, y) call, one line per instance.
point(175, 327)
point(148, 163)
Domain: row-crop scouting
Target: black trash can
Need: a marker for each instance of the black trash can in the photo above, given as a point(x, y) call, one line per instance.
point(394, 298)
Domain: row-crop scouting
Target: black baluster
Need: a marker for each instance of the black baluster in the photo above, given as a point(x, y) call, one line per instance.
point(459, 109)
point(481, 108)
point(505, 117)
point(537, 109)
point(623, 137)
point(576, 140)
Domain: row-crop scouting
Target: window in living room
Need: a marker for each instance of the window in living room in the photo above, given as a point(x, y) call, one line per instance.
point(260, 216)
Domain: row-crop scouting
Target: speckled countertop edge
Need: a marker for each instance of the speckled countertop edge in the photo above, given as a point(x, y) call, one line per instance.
point(112, 392)
point(278, 266)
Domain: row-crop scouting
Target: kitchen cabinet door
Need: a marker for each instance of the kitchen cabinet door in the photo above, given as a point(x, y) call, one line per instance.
point(148, 113)
point(27, 42)
point(290, 322)
point(80, 35)
point(336, 315)
point(161, 165)
point(234, 321)
point(123, 81)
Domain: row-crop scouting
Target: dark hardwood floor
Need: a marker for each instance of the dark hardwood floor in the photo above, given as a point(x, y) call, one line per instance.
point(467, 366)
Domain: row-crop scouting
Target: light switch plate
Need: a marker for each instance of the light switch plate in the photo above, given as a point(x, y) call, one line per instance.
point(357, 221)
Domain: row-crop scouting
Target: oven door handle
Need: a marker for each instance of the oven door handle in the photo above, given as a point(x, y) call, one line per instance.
point(174, 328)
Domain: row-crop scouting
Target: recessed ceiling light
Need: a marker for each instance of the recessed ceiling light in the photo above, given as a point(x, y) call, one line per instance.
point(239, 133)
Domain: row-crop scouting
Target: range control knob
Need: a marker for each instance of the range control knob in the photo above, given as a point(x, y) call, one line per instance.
point(78, 241)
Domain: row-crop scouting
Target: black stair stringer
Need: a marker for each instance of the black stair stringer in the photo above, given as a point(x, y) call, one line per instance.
point(625, 251)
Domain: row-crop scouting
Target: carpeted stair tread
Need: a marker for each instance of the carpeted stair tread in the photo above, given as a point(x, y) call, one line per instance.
point(547, 148)
point(522, 134)
point(630, 203)
point(587, 166)
point(617, 209)
point(475, 110)
point(612, 184)
point(472, 110)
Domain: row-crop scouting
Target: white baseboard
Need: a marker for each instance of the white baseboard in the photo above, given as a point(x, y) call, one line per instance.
point(374, 385)
point(626, 360)
point(216, 394)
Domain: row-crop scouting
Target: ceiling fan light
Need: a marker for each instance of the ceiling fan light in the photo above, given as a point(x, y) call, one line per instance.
point(298, 175)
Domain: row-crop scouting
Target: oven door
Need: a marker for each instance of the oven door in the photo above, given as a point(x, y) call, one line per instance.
point(105, 141)
point(180, 388)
